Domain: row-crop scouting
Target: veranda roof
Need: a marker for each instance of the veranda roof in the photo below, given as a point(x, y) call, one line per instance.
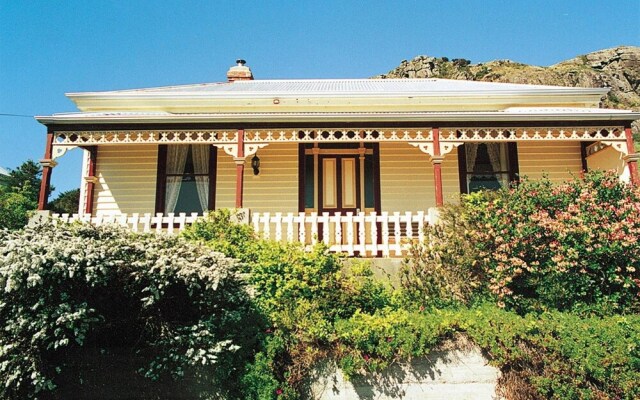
point(510, 114)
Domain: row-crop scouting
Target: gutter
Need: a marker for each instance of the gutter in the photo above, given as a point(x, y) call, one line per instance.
point(78, 118)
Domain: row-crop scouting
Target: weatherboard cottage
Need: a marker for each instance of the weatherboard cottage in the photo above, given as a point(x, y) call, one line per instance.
point(361, 164)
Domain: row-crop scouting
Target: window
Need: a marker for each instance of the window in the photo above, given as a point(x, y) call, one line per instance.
point(487, 166)
point(186, 178)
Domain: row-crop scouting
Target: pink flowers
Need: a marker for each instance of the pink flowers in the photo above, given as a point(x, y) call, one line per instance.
point(562, 242)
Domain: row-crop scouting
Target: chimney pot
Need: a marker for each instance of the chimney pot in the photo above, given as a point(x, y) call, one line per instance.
point(239, 72)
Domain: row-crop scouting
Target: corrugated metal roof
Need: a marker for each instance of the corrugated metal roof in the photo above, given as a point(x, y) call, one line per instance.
point(351, 86)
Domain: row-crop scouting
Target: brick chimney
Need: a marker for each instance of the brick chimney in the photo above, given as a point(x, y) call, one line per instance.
point(239, 72)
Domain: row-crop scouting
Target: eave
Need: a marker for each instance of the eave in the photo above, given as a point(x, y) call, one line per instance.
point(517, 115)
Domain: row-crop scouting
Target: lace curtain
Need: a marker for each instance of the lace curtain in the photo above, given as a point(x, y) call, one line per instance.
point(176, 160)
point(471, 150)
point(494, 156)
point(200, 154)
point(493, 149)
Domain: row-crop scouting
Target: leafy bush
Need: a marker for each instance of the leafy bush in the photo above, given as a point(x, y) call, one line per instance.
point(301, 293)
point(568, 247)
point(14, 208)
point(558, 355)
point(552, 355)
point(88, 309)
point(66, 202)
point(535, 246)
point(221, 233)
point(317, 308)
point(444, 270)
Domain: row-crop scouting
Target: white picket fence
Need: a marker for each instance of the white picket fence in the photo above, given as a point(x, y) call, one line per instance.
point(169, 223)
point(363, 234)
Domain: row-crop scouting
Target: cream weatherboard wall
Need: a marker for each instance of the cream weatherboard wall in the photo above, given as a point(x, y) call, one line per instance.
point(450, 179)
point(127, 176)
point(275, 189)
point(559, 160)
point(609, 159)
point(406, 178)
point(126, 179)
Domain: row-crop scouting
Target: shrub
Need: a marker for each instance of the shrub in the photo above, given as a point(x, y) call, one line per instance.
point(572, 246)
point(444, 270)
point(301, 293)
point(66, 202)
point(221, 233)
point(14, 208)
point(88, 309)
point(558, 355)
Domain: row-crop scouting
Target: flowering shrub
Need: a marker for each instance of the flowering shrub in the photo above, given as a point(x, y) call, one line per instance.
point(85, 308)
point(574, 246)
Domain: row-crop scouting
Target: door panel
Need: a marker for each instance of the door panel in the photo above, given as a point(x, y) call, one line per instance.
point(339, 182)
point(329, 183)
point(349, 187)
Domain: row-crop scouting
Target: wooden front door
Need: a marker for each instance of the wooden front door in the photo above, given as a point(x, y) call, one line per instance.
point(339, 183)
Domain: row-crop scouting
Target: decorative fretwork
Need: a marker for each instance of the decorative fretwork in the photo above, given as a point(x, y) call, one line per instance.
point(339, 135)
point(86, 138)
point(59, 151)
point(533, 134)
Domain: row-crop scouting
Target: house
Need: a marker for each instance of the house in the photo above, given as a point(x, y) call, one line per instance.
point(361, 164)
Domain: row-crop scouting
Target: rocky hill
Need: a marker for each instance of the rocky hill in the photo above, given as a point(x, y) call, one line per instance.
point(617, 68)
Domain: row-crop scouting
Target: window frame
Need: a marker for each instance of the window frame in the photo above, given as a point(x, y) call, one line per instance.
point(161, 177)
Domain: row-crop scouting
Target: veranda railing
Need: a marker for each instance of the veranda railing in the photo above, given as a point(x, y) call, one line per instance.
point(364, 234)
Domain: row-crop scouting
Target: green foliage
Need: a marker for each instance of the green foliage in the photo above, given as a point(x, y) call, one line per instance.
point(222, 234)
point(14, 208)
point(66, 202)
point(26, 180)
point(84, 308)
point(302, 294)
point(444, 270)
point(560, 355)
point(370, 342)
point(573, 246)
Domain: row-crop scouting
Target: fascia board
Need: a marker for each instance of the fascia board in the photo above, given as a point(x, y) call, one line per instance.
point(343, 117)
point(290, 104)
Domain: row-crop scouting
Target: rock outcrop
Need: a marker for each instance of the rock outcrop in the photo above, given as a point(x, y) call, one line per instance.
point(617, 68)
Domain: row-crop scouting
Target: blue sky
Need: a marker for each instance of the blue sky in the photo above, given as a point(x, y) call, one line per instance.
point(48, 48)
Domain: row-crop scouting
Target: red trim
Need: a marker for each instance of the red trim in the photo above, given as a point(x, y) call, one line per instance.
point(437, 168)
point(45, 183)
point(633, 165)
point(91, 173)
point(437, 176)
point(240, 169)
